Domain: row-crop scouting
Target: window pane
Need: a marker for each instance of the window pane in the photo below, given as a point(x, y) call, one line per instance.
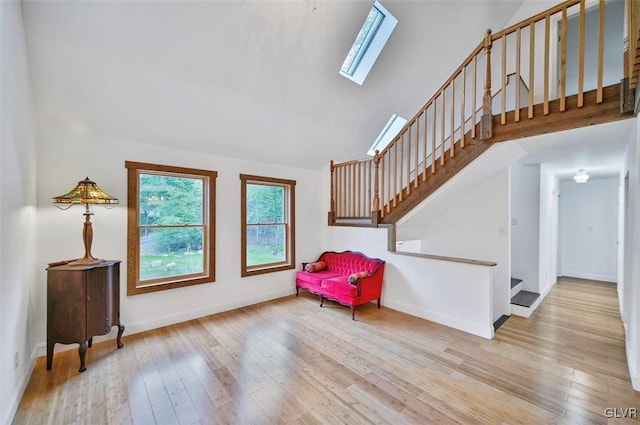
point(368, 30)
point(171, 251)
point(265, 204)
point(167, 200)
point(266, 244)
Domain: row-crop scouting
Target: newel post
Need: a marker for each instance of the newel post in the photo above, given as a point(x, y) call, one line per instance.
point(375, 214)
point(486, 122)
point(332, 206)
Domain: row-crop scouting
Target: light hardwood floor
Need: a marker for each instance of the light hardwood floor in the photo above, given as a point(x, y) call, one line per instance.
point(290, 361)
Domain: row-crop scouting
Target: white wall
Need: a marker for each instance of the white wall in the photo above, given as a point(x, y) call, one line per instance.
point(453, 294)
point(63, 159)
point(477, 228)
point(548, 245)
point(588, 229)
point(17, 212)
point(525, 224)
point(630, 285)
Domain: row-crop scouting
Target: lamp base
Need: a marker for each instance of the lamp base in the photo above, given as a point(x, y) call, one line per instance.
point(84, 262)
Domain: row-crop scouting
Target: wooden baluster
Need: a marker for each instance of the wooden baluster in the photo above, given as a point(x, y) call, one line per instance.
point(581, 56)
point(345, 171)
point(395, 174)
point(475, 95)
point(433, 137)
point(452, 113)
point(424, 146)
point(369, 192)
point(409, 159)
point(353, 190)
point(332, 208)
point(345, 199)
point(376, 196)
point(442, 129)
point(388, 180)
point(627, 68)
point(563, 61)
point(547, 41)
point(398, 188)
point(462, 105)
point(517, 82)
point(532, 48)
point(343, 189)
point(358, 190)
point(347, 191)
point(382, 197)
point(415, 184)
point(601, 17)
point(340, 209)
point(503, 90)
point(486, 124)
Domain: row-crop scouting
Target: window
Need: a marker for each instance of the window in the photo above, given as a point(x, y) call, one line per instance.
point(388, 133)
point(268, 224)
point(373, 35)
point(171, 227)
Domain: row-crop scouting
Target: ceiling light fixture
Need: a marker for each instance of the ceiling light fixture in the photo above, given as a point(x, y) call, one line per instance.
point(581, 176)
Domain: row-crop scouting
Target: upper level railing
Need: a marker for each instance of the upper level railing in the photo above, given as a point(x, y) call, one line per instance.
point(552, 55)
point(633, 43)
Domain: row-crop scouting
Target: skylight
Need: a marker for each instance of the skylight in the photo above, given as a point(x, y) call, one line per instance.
point(373, 35)
point(388, 133)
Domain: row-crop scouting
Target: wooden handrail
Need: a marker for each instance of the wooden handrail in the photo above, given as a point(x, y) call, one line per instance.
point(432, 99)
point(535, 18)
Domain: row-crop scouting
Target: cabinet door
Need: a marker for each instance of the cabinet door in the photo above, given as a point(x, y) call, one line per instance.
point(66, 308)
point(100, 301)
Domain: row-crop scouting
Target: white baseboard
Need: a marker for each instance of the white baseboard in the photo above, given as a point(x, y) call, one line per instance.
point(22, 386)
point(590, 276)
point(485, 331)
point(158, 322)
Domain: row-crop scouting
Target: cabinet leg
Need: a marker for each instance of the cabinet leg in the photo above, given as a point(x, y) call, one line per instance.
point(90, 342)
point(119, 339)
point(50, 346)
point(82, 352)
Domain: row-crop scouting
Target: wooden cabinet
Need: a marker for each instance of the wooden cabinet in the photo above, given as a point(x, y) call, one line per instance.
point(82, 302)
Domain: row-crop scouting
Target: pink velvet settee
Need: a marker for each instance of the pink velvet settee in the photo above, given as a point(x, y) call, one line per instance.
point(349, 278)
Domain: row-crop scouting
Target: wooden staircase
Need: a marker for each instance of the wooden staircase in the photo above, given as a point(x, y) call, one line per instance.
point(474, 108)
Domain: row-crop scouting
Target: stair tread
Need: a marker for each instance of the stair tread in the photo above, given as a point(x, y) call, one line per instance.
point(525, 298)
point(514, 282)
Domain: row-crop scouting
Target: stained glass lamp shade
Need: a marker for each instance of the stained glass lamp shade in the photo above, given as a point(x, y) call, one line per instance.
point(86, 192)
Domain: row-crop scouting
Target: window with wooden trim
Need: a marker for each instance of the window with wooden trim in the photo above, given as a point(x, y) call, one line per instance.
point(170, 227)
point(268, 224)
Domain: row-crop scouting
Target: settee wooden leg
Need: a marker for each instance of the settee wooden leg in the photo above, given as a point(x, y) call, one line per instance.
point(353, 312)
point(378, 302)
point(297, 291)
point(321, 300)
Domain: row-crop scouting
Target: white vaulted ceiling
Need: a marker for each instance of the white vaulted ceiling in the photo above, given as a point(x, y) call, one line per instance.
point(250, 79)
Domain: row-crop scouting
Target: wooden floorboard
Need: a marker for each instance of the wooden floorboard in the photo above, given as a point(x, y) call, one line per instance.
point(291, 362)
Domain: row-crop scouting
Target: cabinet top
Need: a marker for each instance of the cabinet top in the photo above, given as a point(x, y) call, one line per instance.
point(64, 265)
